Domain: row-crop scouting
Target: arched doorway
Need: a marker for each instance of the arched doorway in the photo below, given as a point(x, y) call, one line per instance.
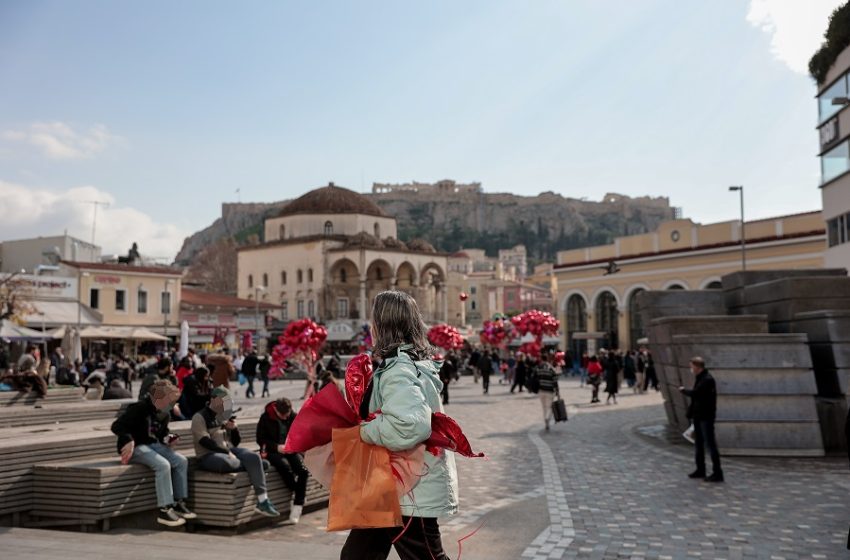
point(607, 319)
point(636, 330)
point(342, 299)
point(379, 278)
point(576, 323)
point(675, 287)
point(406, 277)
point(432, 287)
point(715, 285)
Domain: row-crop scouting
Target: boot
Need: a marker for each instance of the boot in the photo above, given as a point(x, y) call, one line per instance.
point(294, 515)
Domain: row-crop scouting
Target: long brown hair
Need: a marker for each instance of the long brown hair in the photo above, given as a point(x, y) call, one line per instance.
point(396, 320)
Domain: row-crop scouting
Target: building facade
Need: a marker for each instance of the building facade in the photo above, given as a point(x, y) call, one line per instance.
point(222, 319)
point(330, 252)
point(597, 286)
point(128, 295)
point(40, 254)
point(834, 132)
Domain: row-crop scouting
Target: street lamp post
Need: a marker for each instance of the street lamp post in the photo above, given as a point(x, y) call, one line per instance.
point(740, 189)
point(257, 291)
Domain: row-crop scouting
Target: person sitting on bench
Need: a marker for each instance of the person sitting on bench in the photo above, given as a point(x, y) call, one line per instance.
point(143, 438)
point(216, 438)
point(272, 430)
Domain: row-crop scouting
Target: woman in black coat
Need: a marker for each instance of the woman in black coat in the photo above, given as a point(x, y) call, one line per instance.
point(612, 372)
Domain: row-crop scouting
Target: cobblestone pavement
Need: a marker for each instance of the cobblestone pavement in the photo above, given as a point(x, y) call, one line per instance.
point(610, 484)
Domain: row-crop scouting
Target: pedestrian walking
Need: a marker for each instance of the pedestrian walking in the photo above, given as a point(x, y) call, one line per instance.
point(612, 377)
point(448, 372)
point(640, 372)
point(474, 358)
point(485, 368)
point(630, 370)
point(249, 370)
point(548, 387)
point(594, 377)
point(520, 374)
point(702, 412)
point(263, 368)
point(406, 389)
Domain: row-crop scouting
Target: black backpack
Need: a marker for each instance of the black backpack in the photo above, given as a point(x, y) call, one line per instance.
point(532, 381)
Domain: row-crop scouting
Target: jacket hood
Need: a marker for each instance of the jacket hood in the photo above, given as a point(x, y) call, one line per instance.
point(271, 410)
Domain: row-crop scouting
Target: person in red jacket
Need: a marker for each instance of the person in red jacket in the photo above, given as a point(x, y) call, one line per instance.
point(594, 377)
point(184, 370)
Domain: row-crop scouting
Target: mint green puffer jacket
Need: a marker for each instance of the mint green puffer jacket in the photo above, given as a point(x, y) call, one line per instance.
point(406, 393)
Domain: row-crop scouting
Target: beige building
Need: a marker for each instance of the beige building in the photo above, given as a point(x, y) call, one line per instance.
point(680, 254)
point(834, 132)
point(330, 252)
point(130, 296)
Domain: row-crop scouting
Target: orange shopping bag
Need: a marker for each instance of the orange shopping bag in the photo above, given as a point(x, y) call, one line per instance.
point(363, 489)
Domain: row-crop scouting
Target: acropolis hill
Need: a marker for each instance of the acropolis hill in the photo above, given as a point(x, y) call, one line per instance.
point(452, 215)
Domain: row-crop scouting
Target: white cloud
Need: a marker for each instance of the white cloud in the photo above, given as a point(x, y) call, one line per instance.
point(796, 27)
point(58, 140)
point(31, 212)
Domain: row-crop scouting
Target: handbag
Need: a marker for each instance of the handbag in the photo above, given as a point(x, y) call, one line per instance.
point(559, 410)
point(689, 433)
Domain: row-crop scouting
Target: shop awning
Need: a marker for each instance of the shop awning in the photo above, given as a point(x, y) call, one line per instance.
point(53, 314)
point(11, 331)
point(121, 333)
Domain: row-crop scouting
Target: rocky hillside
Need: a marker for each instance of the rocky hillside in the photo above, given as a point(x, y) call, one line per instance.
point(545, 223)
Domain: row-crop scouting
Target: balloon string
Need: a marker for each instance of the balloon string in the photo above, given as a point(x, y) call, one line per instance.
point(460, 540)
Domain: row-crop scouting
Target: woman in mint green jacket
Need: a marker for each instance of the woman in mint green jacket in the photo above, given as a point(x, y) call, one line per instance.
point(406, 389)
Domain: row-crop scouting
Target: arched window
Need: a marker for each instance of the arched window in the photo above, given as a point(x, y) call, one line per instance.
point(282, 231)
point(283, 278)
point(636, 330)
point(576, 323)
point(675, 287)
point(265, 280)
point(329, 228)
point(716, 285)
point(377, 230)
point(343, 276)
point(310, 277)
point(250, 280)
point(607, 316)
point(378, 274)
point(300, 276)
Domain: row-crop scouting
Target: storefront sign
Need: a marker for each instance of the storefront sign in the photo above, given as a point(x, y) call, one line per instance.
point(829, 134)
point(105, 279)
point(44, 286)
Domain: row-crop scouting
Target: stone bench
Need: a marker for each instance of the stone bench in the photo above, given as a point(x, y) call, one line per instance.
point(54, 395)
point(93, 492)
point(54, 413)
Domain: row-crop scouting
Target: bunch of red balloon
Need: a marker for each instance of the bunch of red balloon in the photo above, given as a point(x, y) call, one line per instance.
point(445, 336)
point(538, 323)
point(532, 348)
point(299, 343)
point(495, 333)
point(560, 358)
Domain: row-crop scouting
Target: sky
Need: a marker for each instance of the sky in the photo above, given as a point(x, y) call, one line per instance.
point(163, 110)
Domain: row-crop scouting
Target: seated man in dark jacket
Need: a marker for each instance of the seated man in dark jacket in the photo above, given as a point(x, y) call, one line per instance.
point(702, 412)
point(272, 430)
point(216, 438)
point(143, 438)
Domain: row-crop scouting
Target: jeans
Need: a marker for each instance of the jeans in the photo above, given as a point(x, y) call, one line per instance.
point(420, 541)
point(445, 392)
point(704, 437)
point(171, 470)
point(266, 387)
point(249, 392)
point(245, 460)
point(546, 399)
point(292, 471)
point(485, 382)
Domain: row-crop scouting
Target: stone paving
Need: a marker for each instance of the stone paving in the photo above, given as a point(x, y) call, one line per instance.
point(612, 483)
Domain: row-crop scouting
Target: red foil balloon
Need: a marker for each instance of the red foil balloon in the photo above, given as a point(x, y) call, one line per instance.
point(445, 336)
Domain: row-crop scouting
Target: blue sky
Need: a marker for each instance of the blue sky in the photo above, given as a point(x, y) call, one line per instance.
point(164, 109)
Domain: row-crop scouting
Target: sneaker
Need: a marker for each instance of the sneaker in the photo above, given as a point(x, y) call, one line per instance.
point(697, 474)
point(168, 517)
point(181, 510)
point(715, 477)
point(294, 515)
point(266, 508)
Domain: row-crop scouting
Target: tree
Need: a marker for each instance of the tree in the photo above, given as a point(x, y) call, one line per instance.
point(214, 269)
point(14, 298)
